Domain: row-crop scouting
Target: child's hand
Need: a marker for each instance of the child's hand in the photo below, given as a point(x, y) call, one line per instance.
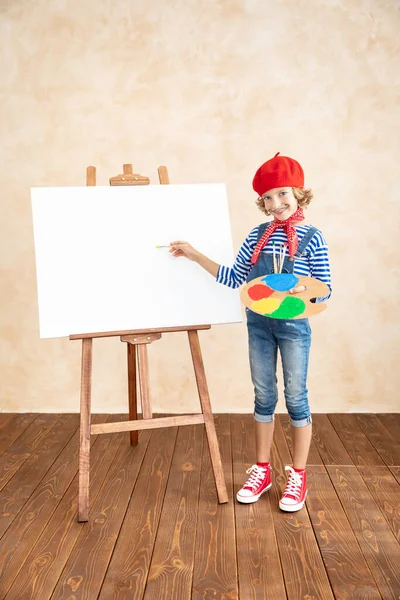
point(298, 289)
point(180, 248)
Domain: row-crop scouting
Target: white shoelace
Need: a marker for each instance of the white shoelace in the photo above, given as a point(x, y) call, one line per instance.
point(293, 486)
point(257, 475)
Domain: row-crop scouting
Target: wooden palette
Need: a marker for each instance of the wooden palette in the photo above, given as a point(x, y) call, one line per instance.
point(269, 296)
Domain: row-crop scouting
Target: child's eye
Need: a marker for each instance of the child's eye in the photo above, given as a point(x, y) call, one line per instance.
point(284, 193)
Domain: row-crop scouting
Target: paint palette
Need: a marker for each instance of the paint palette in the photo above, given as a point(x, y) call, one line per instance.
point(269, 296)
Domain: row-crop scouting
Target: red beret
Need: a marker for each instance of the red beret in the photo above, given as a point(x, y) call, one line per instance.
point(280, 171)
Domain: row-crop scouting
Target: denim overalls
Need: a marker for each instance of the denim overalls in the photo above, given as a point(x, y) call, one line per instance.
point(292, 337)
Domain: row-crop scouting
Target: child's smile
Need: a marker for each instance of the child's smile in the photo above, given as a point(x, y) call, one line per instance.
point(281, 210)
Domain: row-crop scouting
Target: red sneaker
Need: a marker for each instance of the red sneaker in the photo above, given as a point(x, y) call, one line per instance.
point(295, 492)
point(258, 483)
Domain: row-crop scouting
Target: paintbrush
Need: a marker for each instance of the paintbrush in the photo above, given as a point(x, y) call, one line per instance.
point(281, 257)
point(171, 246)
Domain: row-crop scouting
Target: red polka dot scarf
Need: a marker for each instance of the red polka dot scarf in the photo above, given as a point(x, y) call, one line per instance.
point(289, 229)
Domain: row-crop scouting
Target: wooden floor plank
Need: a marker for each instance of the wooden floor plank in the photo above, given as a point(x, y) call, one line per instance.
point(5, 420)
point(377, 542)
point(392, 423)
point(355, 441)
point(171, 570)
point(87, 564)
point(384, 443)
point(33, 519)
point(328, 442)
point(14, 495)
point(302, 564)
point(15, 456)
point(215, 572)
point(42, 567)
point(12, 427)
point(128, 570)
point(314, 457)
point(395, 472)
point(347, 569)
point(385, 490)
point(259, 567)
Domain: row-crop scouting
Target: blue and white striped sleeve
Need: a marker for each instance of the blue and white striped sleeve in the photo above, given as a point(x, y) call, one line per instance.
point(234, 276)
point(319, 263)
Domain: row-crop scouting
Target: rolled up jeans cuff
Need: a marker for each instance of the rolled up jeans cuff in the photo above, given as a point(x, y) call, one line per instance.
point(263, 418)
point(301, 422)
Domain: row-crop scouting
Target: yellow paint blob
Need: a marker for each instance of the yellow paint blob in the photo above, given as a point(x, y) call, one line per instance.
point(266, 305)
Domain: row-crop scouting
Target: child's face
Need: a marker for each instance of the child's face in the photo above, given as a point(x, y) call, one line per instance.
point(280, 202)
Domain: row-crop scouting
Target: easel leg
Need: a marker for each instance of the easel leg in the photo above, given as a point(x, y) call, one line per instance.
point(208, 416)
point(132, 390)
point(144, 380)
point(84, 448)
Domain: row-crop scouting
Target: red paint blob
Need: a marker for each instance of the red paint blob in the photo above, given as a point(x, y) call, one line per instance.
point(258, 292)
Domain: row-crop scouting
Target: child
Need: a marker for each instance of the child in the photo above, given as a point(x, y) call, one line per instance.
point(280, 185)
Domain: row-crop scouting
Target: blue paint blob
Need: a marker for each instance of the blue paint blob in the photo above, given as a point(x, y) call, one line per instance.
point(281, 282)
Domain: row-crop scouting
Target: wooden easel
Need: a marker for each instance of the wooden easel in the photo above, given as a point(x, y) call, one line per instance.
point(138, 364)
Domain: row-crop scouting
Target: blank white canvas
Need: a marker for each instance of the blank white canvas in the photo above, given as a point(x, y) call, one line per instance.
point(98, 268)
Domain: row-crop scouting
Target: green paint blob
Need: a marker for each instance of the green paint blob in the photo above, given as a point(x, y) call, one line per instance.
point(289, 309)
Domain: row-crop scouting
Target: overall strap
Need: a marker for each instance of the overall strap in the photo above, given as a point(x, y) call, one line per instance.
point(261, 229)
point(305, 241)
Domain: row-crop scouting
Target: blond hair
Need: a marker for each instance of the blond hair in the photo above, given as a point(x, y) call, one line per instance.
point(302, 196)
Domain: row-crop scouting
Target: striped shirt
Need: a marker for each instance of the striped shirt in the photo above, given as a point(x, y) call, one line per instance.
point(313, 263)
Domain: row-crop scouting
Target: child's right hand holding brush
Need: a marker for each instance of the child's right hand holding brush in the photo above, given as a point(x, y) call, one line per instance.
point(180, 248)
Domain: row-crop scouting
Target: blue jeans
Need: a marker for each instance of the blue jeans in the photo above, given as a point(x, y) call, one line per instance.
point(293, 338)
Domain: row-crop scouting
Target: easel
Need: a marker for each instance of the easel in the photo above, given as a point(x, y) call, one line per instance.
point(138, 364)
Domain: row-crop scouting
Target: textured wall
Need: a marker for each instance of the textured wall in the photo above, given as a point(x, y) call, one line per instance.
point(211, 89)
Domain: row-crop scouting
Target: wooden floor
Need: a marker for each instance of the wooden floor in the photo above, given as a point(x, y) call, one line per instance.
point(156, 530)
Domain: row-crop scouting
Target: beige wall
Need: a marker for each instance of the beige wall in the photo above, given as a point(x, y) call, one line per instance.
point(211, 89)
